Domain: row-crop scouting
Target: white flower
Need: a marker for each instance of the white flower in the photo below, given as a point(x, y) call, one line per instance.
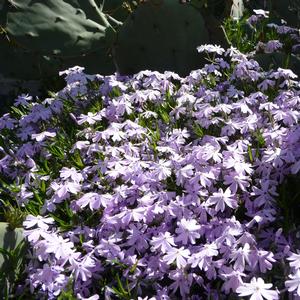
point(61, 248)
point(294, 283)
point(90, 118)
point(39, 221)
point(261, 12)
point(163, 169)
point(187, 231)
point(94, 297)
point(258, 290)
point(39, 137)
point(211, 49)
point(66, 173)
point(294, 260)
point(149, 114)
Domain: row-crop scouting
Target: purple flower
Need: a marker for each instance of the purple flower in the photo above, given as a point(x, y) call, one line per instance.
point(179, 255)
point(90, 118)
point(137, 238)
point(220, 199)
point(23, 100)
point(7, 122)
point(186, 207)
point(182, 280)
point(235, 181)
point(34, 235)
point(240, 257)
point(163, 169)
point(49, 279)
point(233, 279)
point(264, 260)
point(83, 268)
point(164, 242)
point(272, 46)
point(93, 200)
point(203, 257)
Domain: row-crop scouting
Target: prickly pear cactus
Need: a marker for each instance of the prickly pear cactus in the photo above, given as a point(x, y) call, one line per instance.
point(59, 33)
point(161, 35)
point(57, 27)
point(9, 239)
point(12, 259)
point(118, 9)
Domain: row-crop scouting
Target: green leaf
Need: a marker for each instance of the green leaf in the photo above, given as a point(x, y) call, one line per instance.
point(198, 130)
point(250, 154)
point(164, 115)
point(76, 159)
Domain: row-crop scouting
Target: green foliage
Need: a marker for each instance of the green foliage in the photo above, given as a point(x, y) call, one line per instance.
point(67, 294)
point(120, 287)
point(240, 34)
point(246, 38)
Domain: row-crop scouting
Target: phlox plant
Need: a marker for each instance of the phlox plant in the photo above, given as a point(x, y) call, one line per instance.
point(261, 32)
point(156, 186)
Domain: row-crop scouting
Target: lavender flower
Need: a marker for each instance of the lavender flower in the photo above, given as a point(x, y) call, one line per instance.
point(180, 256)
point(220, 199)
point(164, 242)
point(273, 46)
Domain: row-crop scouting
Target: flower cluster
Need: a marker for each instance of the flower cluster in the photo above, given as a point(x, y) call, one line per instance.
point(273, 37)
point(159, 186)
point(271, 41)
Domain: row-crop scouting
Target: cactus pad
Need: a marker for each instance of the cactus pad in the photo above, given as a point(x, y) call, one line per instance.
point(66, 32)
point(9, 239)
point(57, 27)
point(161, 35)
